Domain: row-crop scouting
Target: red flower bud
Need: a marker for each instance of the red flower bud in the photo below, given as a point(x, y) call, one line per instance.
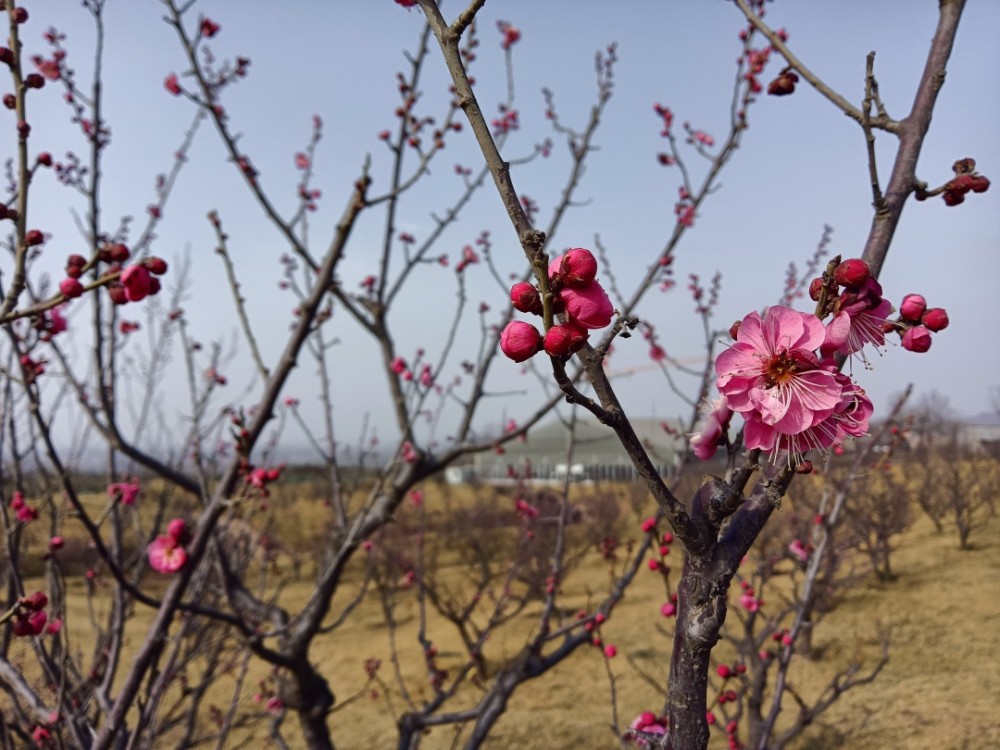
point(34, 237)
point(589, 306)
point(979, 184)
point(853, 272)
point(156, 265)
point(917, 339)
point(20, 15)
point(783, 84)
point(562, 340)
point(171, 84)
point(45, 159)
point(520, 340)
point(118, 253)
point(177, 530)
point(33, 81)
point(815, 288)
point(935, 319)
point(70, 288)
point(117, 294)
point(734, 329)
point(913, 306)
point(577, 268)
point(526, 298)
point(952, 198)
point(9, 100)
point(136, 281)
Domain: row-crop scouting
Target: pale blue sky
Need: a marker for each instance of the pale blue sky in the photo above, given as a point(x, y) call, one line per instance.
point(802, 165)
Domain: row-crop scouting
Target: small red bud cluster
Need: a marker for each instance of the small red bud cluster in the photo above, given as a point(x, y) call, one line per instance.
point(846, 286)
point(784, 84)
point(966, 180)
point(32, 368)
point(259, 478)
point(30, 618)
point(25, 513)
point(510, 33)
point(576, 294)
point(916, 322)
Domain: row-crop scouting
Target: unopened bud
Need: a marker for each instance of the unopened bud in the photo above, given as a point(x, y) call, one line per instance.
point(917, 339)
point(815, 289)
point(525, 298)
point(913, 306)
point(564, 339)
point(853, 272)
point(520, 340)
point(935, 319)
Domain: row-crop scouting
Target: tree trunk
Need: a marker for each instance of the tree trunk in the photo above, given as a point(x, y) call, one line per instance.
point(701, 610)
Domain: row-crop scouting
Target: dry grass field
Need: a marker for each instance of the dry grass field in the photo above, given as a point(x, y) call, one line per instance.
point(939, 691)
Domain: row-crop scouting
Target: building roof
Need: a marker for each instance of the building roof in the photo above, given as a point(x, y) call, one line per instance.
point(594, 444)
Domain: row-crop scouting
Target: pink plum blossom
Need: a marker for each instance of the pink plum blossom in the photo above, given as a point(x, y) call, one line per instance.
point(798, 550)
point(859, 321)
point(648, 723)
point(166, 555)
point(772, 376)
point(849, 418)
point(713, 430)
point(125, 492)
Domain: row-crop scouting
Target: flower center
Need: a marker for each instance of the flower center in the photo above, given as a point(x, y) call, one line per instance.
point(780, 369)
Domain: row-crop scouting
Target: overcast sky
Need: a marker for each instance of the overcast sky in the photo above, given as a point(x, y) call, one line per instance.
point(802, 165)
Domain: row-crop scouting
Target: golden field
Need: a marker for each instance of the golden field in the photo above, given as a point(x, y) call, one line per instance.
point(939, 690)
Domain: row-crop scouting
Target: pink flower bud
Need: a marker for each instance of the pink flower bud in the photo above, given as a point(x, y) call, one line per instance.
point(935, 319)
point(171, 84)
point(520, 340)
point(610, 651)
point(577, 268)
point(979, 184)
point(56, 542)
point(723, 671)
point(589, 306)
point(177, 529)
point(526, 298)
point(953, 197)
point(853, 272)
point(668, 610)
point(70, 288)
point(917, 339)
point(136, 281)
point(913, 306)
point(815, 287)
point(562, 340)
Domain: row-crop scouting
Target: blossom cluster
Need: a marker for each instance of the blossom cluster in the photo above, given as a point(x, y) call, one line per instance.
point(782, 374)
point(30, 618)
point(576, 295)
